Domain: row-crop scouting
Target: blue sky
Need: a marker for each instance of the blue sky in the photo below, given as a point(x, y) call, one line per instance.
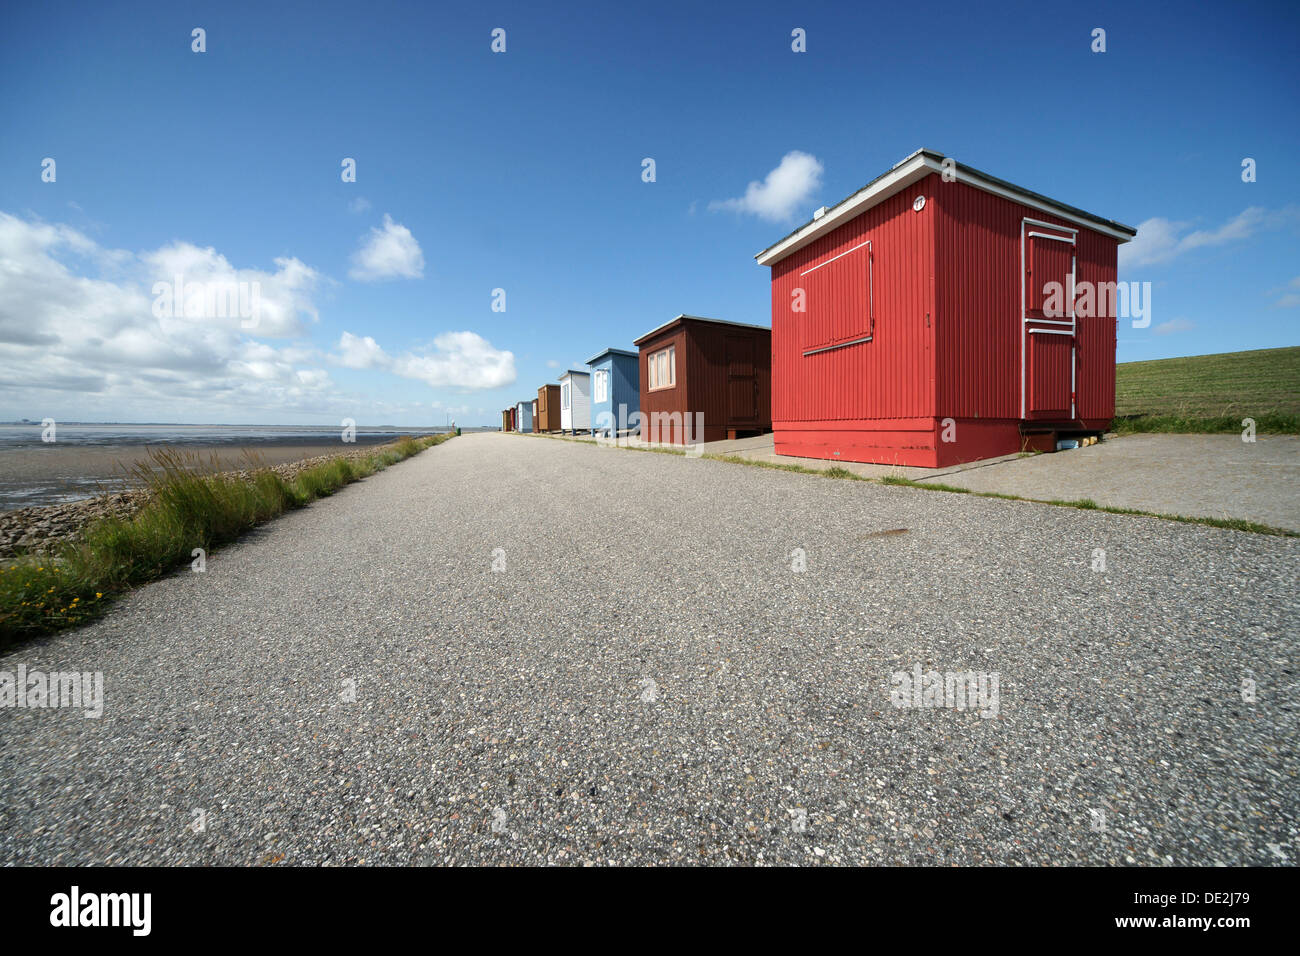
point(523, 171)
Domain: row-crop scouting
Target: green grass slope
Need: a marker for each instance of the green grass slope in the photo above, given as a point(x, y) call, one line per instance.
point(1210, 393)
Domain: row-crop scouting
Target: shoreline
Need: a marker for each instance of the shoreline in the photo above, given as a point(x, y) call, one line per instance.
point(37, 527)
point(65, 473)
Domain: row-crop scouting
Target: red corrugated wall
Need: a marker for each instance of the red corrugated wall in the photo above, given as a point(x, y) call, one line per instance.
point(978, 319)
point(1098, 262)
point(890, 377)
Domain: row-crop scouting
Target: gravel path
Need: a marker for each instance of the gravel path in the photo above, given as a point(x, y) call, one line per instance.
point(649, 681)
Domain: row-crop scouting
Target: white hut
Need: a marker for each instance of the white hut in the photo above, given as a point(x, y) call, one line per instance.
point(575, 401)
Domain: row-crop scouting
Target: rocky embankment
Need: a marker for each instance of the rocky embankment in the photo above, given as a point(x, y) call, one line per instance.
point(37, 529)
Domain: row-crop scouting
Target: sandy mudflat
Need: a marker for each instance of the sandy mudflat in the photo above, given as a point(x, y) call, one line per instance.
point(49, 474)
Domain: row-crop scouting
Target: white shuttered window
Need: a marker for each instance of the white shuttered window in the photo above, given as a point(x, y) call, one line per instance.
point(663, 368)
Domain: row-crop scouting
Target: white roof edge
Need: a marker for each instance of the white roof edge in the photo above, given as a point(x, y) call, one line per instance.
point(611, 351)
point(703, 318)
point(905, 172)
point(572, 371)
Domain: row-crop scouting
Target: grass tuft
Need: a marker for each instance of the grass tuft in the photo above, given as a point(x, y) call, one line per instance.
point(1183, 423)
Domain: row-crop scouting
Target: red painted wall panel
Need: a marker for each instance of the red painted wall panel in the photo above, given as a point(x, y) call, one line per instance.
point(1097, 262)
point(888, 377)
point(978, 336)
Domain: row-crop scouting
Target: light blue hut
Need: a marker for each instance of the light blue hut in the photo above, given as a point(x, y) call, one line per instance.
point(615, 390)
point(524, 415)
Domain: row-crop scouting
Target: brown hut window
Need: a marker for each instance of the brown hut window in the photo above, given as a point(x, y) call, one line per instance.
point(663, 368)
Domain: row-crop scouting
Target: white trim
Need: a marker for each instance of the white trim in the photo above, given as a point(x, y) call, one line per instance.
point(974, 179)
point(1049, 225)
point(1048, 331)
point(833, 258)
point(1044, 235)
point(611, 351)
point(1024, 341)
point(701, 318)
point(652, 377)
point(911, 170)
point(837, 345)
point(871, 298)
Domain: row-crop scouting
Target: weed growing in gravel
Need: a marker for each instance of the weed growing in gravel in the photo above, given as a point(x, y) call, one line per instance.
point(911, 483)
point(187, 509)
point(1087, 504)
point(756, 463)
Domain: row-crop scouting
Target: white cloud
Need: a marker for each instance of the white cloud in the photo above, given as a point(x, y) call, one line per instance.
point(551, 363)
point(283, 296)
point(1291, 295)
point(80, 340)
point(458, 359)
point(1174, 325)
point(389, 252)
point(77, 328)
point(359, 205)
point(784, 191)
point(461, 359)
point(358, 352)
point(1161, 240)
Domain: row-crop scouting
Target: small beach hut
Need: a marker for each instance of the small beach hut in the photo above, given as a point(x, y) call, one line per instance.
point(982, 338)
point(524, 416)
point(548, 408)
point(615, 390)
point(575, 401)
point(714, 373)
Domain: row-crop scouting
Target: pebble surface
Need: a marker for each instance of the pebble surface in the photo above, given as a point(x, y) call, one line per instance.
point(647, 680)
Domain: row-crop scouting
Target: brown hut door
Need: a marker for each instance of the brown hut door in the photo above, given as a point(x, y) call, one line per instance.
point(742, 383)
